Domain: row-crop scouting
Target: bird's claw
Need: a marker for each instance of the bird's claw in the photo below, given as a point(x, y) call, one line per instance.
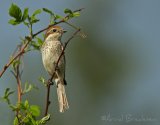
point(57, 68)
point(50, 82)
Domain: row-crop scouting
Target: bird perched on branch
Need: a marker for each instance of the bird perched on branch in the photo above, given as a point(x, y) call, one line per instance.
point(51, 51)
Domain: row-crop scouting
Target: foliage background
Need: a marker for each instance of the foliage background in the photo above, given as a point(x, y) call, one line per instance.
point(115, 70)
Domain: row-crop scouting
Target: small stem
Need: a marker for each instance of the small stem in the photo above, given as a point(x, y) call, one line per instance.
point(61, 21)
point(72, 25)
point(19, 82)
point(65, 45)
point(11, 61)
point(47, 99)
point(19, 89)
point(30, 27)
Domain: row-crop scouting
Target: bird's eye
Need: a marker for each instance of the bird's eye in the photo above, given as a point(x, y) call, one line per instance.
point(54, 30)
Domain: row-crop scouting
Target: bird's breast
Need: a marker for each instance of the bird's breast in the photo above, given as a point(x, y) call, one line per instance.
point(51, 50)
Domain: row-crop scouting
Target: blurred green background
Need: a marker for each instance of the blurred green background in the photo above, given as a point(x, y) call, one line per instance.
point(113, 75)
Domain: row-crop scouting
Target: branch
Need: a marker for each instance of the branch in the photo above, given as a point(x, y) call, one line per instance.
point(29, 39)
point(17, 76)
point(65, 45)
point(19, 88)
point(61, 21)
point(50, 80)
point(11, 61)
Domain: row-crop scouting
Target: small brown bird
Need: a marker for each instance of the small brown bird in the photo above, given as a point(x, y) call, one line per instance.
point(51, 50)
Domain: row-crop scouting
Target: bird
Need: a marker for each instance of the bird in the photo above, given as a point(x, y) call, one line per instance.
point(51, 50)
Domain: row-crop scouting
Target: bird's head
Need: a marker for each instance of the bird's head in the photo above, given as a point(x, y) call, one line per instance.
point(54, 33)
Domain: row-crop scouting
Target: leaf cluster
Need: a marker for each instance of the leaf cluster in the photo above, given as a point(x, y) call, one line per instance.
point(17, 14)
point(28, 114)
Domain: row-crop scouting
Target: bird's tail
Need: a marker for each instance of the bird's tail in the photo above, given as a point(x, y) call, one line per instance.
point(62, 99)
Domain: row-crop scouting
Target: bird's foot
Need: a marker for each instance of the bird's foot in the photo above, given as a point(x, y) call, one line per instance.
point(50, 82)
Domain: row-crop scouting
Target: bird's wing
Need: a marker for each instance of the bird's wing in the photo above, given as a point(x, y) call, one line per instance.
point(64, 61)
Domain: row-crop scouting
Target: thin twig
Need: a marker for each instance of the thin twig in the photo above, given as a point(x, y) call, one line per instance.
point(19, 85)
point(50, 80)
point(65, 45)
point(29, 38)
point(47, 99)
point(72, 25)
point(18, 79)
point(61, 21)
point(12, 60)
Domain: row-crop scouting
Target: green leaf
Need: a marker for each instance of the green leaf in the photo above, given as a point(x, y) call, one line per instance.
point(68, 11)
point(35, 110)
point(71, 16)
point(32, 121)
point(6, 96)
point(15, 122)
point(45, 119)
point(58, 17)
point(48, 11)
point(39, 41)
point(25, 23)
point(52, 15)
point(21, 106)
point(13, 22)
point(15, 63)
point(26, 104)
point(8, 93)
point(14, 108)
point(35, 45)
point(52, 21)
point(36, 12)
point(26, 120)
point(42, 80)
point(35, 21)
point(27, 87)
point(76, 14)
point(15, 12)
point(25, 14)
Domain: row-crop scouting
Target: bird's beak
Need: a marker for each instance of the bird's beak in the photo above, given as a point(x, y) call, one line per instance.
point(64, 31)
